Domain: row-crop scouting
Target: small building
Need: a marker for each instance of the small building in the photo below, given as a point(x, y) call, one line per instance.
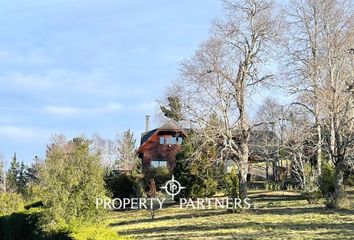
point(158, 147)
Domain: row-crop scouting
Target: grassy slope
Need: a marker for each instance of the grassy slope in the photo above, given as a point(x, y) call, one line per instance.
point(279, 215)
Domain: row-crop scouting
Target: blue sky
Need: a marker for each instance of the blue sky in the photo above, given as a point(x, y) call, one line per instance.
point(83, 66)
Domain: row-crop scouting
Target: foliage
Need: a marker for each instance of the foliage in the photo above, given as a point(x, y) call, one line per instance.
point(203, 188)
point(231, 183)
point(34, 170)
point(159, 174)
point(272, 186)
point(199, 175)
point(71, 180)
point(327, 180)
point(124, 186)
point(174, 109)
point(12, 174)
point(10, 202)
point(26, 225)
point(95, 232)
point(311, 192)
point(127, 157)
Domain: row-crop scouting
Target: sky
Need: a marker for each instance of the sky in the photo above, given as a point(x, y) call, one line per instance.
point(82, 66)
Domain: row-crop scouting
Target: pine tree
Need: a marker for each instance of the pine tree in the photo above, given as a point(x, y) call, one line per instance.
point(12, 174)
point(174, 109)
point(125, 145)
point(32, 173)
point(22, 179)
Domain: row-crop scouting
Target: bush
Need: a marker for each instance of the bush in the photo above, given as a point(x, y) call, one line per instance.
point(273, 186)
point(124, 186)
point(203, 188)
point(231, 184)
point(327, 180)
point(95, 232)
point(25, 225)
point(311, 192)
point(160, 174)
point(71, 179)
point(10, 202)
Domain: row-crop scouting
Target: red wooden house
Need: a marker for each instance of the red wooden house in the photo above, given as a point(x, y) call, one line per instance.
point(158, 147)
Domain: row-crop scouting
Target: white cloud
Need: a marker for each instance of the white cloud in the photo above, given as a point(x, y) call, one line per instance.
point(10, 131)
point(67, 110)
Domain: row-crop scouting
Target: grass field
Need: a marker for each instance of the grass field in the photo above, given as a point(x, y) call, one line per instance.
point(278, 215)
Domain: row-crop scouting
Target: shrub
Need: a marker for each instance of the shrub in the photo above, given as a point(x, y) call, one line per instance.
point(327, 179)
point(311, 192)
point(124, 186)
point(159, 174)
point(231, 184)
point(10, 202)
point(71, 180)
point(25, 225)
point(95, 232)
point(273, 186)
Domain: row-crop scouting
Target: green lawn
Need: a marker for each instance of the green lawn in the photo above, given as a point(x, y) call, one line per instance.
point(278, 215)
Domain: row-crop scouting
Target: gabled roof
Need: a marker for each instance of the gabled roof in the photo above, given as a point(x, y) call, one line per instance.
point(146, 135)
point(168, 126)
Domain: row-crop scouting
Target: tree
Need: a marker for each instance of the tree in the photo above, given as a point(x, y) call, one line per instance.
point(71, 179)
point(338, 37)
point(127, 157)
point(152, 194)
point(305, 65)
point(33, 172)
point(22, 179)
point(271, 114)
point(173, 110)
point(12, 174)
point(3, 180)
point(218, 79)
point(106, 150)
point(321, 63)
point(200, 175)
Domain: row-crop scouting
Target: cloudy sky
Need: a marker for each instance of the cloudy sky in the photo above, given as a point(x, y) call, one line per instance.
point(83, 66)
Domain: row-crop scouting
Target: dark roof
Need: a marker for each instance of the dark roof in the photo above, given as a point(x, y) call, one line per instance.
point(169, 125)
point(146, 135)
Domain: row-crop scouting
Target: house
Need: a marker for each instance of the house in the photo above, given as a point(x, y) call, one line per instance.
point(158, 147)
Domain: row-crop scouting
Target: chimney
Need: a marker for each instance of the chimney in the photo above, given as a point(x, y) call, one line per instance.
point(147, 124)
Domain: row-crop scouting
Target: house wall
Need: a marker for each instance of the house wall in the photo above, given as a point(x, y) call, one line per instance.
point(154, 150)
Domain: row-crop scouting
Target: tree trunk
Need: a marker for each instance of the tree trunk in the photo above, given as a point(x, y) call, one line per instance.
point(243, 171)
point(339, 193)
point(319, 150)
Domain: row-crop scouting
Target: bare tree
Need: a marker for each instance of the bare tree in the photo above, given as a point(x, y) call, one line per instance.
point(338, 37)
point(3, 183)
point(217, 81)
point(106, 150)
point(304, 65)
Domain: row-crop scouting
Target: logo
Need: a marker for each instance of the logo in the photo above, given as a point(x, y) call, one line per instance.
point(172, 187)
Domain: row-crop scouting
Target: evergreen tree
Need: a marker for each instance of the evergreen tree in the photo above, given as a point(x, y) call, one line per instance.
point(22, 179)
point(12, 174)
point(125, 145)
point(174, 109)
point(71, 180)
point(32, 173)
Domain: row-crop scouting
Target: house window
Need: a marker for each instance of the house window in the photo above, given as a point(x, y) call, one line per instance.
point(180, 140)
point(158, 163)
point(168, 140)
point(174, 140)
point(162, 140)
